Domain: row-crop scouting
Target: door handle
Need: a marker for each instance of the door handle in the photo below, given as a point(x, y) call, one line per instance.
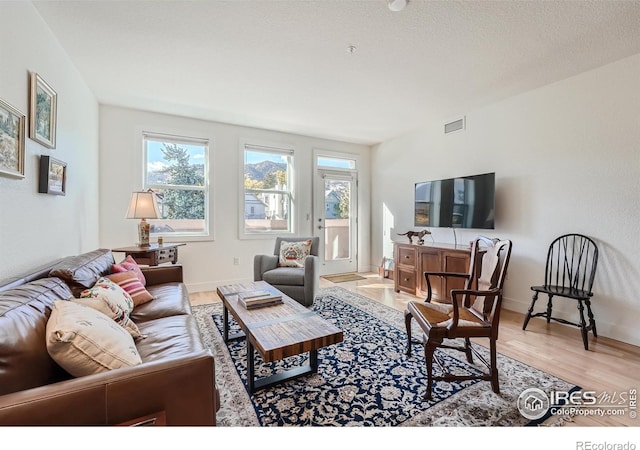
point(320, 227)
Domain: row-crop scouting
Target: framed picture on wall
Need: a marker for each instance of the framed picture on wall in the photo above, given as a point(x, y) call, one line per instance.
point(43, 106)
point(12, 131)
point(53, 176)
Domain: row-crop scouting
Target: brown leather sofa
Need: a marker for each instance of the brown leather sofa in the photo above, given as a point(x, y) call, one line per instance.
point(175, 382)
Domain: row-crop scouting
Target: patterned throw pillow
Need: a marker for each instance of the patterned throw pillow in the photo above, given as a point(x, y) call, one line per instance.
point(83, 341)
point(293, 254)
point(111, 310)
point(107, 289)
point(130, 264)
point(131, 283)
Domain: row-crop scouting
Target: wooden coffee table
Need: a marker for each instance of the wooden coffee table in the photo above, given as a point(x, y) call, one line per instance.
point(276, 332)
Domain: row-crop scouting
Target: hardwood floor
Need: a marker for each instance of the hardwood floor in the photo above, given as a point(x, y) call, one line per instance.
point(609, 367)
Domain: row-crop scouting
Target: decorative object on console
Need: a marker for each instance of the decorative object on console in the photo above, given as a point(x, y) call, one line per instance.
point(419, 234)
point(53, 176)
point(11, 141)
point(143, 205)
point(43, 107)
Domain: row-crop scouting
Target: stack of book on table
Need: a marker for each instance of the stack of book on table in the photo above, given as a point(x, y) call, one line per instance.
point(258, 298)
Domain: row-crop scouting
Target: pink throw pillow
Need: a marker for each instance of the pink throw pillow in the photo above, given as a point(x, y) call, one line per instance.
point(132, 285)
point(130, 264)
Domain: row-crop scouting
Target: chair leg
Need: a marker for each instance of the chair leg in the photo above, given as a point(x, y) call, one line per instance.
point(467, 350)
point(592, 320)
point(430, 346)
point(495, 384)
point(549, 308)
point(583, 326)
point(528, 316)
point(407, 323)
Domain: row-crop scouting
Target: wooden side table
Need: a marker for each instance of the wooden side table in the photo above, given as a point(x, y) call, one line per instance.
point(153, 254)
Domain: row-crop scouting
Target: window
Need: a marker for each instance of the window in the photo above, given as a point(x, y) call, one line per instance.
point(268, 198)
point(177, 170)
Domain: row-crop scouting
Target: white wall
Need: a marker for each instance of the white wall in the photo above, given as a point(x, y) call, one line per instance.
point(208, 264)
point(567, 159)
point(38, 228)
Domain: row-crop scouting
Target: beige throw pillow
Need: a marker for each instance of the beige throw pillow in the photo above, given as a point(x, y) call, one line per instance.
point(84, 341)
point(293, 254)
point(107, 307)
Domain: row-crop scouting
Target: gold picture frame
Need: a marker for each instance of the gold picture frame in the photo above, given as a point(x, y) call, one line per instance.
point(12, 137)
point(43, 106)
point(53, 176)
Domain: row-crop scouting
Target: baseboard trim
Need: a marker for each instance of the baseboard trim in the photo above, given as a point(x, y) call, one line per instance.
point(605, 329)
point(213, 285)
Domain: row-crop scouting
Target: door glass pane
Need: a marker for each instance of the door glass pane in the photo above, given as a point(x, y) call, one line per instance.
point(337, 231)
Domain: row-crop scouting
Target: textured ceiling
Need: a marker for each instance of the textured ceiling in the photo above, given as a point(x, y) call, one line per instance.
point(285, 65)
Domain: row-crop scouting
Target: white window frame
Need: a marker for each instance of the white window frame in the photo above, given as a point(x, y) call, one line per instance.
point(274, 148)
point(207, 233)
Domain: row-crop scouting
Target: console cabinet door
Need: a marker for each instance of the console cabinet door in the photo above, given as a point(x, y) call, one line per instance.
point(457, 262)
point(431, 261)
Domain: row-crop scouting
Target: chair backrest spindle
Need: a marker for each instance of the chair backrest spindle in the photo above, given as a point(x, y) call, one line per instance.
point(571, 263)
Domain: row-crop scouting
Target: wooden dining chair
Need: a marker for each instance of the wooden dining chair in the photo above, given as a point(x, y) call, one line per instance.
point(474, 312)
point(569, 273)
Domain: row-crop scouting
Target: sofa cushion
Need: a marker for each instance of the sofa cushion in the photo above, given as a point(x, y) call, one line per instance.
point(24, 311)
point(82, 271)
point(169, 337)
point(109, 290)
point(130, 282)
point(107, 307)
point(293, 254)
point(169, 299)
point(293, 276)
point(84, 341)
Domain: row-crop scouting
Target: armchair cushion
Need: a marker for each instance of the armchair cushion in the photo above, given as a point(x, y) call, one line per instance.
point(291, 276)
point(293, 254)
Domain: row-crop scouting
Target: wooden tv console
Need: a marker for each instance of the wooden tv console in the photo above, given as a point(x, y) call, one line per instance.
point(412, 260)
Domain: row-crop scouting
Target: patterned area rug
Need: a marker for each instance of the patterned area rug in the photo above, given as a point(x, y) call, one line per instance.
point(365, 380)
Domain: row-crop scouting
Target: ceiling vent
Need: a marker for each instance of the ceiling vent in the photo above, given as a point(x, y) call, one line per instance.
point(455, 125)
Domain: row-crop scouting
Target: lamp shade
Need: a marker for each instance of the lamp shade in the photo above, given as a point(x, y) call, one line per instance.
point(143, 205)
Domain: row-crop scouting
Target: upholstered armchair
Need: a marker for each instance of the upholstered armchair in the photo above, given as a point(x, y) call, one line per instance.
point(298, 281)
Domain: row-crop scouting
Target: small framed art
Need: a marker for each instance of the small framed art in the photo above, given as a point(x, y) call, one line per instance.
point(43, 106)
point(12, 131)
point(53, 176)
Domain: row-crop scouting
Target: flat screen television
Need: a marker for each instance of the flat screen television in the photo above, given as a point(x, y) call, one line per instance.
point(464, 202)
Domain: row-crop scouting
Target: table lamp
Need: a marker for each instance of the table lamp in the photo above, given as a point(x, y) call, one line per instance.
point(143, 206)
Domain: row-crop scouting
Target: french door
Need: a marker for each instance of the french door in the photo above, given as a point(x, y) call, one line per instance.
point(335, 220)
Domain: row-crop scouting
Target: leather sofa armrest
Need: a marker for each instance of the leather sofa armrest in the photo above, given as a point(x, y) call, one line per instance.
point(263, 263)
point(163, 274)
point(184, 388)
